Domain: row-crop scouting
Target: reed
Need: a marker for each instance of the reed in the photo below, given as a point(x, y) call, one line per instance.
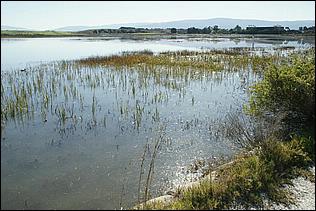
point(147, 77)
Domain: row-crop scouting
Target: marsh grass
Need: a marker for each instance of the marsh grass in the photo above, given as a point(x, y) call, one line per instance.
point(39, 89)
point(213, 60)
point(151, 151)
point(22, 34)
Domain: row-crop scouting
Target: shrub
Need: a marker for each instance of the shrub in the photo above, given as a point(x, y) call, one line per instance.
point(284, 156)
point(307, 144)
point(287, 88)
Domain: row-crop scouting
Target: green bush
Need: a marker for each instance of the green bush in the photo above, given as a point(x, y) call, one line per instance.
point(287, 88)
point(283, 157)
point(308, 145)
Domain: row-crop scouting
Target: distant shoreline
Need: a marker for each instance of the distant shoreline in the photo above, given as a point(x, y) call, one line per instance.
point(52, 34)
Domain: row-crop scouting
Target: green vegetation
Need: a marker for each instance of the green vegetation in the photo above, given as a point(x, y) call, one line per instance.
point(243, 183)
point(38, 89)
point(207, 30)
point(22, 93)
point(30, 34)
point(234, 59)
point(288, 87)
point(289, 90)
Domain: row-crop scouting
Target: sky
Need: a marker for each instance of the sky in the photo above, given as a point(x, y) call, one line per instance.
point(41, 15)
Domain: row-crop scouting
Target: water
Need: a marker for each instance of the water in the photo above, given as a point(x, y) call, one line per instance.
point(21, 52)
point(17, 53)
point(92, 161)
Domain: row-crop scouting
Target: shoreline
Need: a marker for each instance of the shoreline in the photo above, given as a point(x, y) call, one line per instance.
point(161, 35)
point(303, 191)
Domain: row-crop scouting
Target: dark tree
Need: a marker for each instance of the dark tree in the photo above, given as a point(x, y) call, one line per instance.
point(215, 28)
point(193, 30)
point(237, 29)
point(206, 30)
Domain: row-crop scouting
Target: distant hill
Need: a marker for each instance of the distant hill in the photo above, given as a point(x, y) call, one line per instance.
point(112, 26)
point(5, 27)
point(229, 23)
point(76, 28)
point(226, 23)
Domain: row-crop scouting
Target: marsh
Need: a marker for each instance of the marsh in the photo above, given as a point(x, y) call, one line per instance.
point(76, 121)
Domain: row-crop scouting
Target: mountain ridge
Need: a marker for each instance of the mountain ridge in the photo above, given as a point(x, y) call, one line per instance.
point(201, 23)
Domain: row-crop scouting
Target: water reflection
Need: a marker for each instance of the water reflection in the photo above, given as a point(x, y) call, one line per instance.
point(19, 53)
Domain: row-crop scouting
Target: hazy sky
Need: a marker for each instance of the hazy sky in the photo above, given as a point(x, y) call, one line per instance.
point(49, 15)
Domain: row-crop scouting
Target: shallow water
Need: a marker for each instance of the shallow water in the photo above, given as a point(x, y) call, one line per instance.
point(93, 161)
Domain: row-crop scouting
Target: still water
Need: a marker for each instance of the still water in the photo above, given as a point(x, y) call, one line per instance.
point(93, 161)
point(21, 52)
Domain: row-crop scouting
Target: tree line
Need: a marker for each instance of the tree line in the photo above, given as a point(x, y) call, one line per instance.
point(211, 30)
point(248, 30)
